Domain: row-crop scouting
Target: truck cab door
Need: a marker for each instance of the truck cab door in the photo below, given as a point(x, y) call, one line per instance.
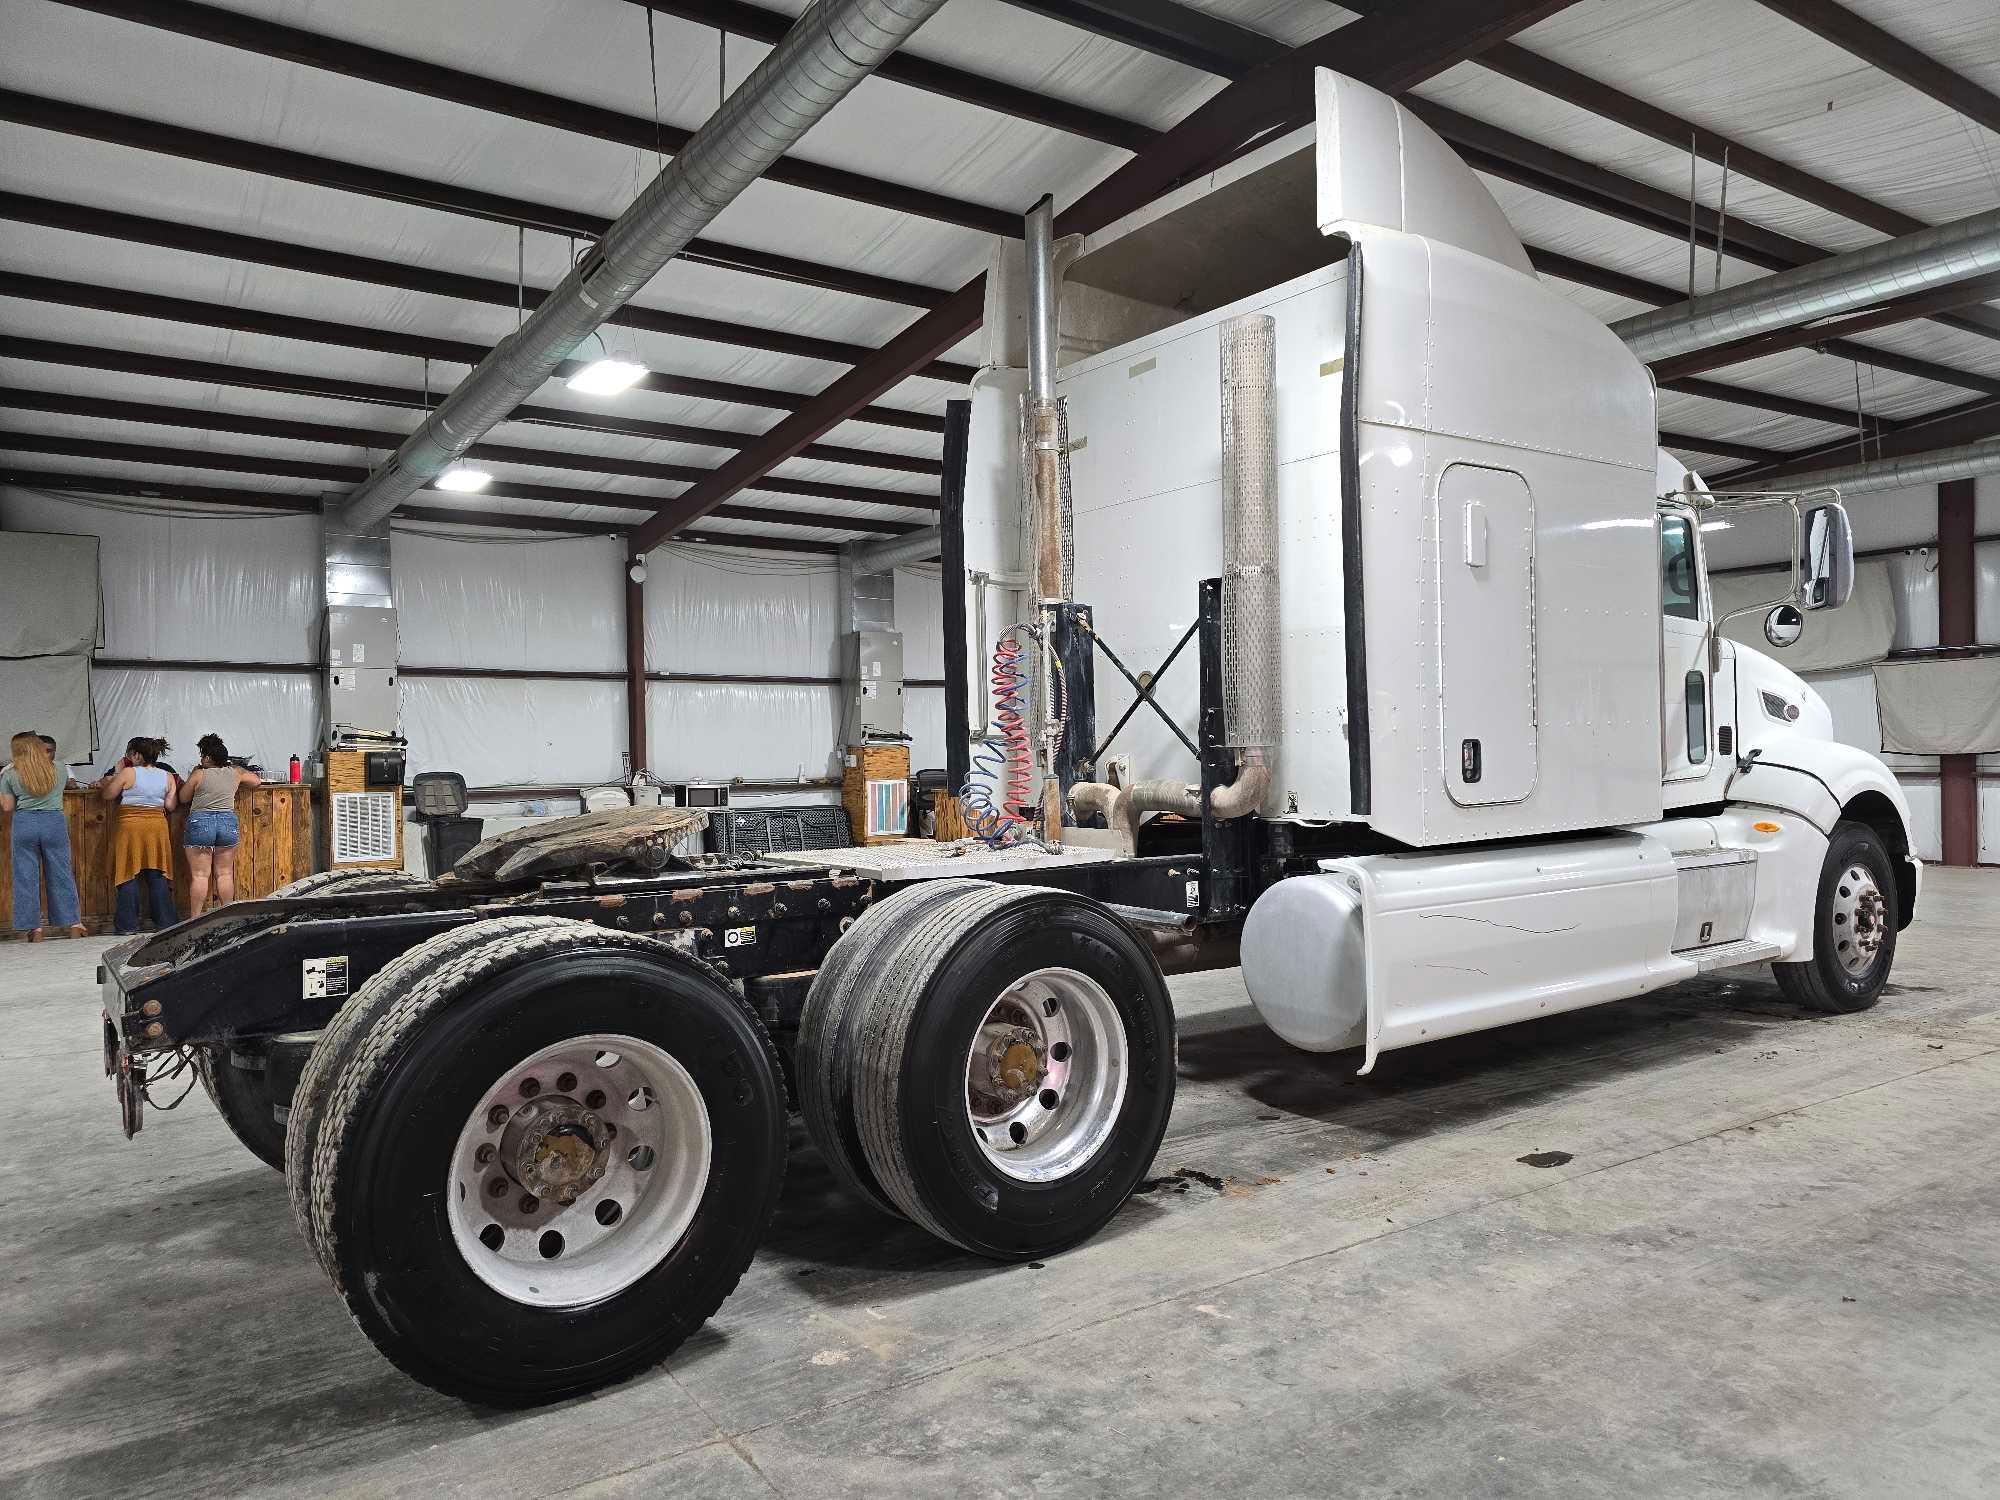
point(1697, 709)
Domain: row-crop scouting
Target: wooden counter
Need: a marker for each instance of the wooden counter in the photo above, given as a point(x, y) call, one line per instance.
point(276, 848)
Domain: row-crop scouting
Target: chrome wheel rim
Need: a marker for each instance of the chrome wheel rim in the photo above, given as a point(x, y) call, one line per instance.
point(1045, 1075)
point(579, 1171)
point(1860, 920)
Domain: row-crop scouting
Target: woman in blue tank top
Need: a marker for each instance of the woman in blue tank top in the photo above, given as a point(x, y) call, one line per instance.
point(140, 847)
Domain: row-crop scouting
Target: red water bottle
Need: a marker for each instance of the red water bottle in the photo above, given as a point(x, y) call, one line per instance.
point(295, 770)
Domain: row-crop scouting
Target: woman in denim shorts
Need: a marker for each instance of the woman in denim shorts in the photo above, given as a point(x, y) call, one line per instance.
point(212, 832)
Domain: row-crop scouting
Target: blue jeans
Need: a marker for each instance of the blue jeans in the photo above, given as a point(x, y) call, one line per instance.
point(159, 896)
point(41, 852)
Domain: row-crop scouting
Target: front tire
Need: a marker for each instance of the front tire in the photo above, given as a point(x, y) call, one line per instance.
point(1855, 921)
point(1015, 1069)
point(622, 1100)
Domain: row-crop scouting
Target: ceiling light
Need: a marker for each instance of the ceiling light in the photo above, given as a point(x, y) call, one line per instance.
point(461, 479)
point(607, 377)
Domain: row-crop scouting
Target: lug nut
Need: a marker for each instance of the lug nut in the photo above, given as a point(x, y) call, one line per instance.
point(530, 1203)
point(530, 1087)
point(497, 1187)
point(496, 1117)
point(484, 1154)
point(565, 1083)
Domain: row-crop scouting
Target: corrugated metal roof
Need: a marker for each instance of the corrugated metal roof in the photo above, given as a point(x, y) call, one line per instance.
point(1722, 65)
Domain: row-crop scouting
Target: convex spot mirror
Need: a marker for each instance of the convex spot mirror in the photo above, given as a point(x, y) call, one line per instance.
point(1783, 626)
point(1828, 564)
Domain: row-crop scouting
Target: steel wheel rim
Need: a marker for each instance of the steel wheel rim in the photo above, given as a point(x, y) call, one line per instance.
point(632, 1115)
point(1045, 1075)
point(1860, 920)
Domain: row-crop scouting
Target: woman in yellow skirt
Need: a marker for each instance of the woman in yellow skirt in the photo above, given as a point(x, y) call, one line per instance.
point(140, 848)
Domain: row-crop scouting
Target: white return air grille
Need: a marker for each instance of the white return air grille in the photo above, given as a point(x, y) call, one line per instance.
point(364, 827)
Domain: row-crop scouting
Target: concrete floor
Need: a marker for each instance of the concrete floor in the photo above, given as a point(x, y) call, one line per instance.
point(1771, 1265)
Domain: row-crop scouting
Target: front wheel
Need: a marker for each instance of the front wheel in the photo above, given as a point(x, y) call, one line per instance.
point(535, 1155)
point(1854, 927)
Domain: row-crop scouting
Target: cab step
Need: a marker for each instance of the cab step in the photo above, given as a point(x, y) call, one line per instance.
point(1729, 955)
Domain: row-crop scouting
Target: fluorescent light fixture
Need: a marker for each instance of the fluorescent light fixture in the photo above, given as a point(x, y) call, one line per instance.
point(461, 479)
point(607, 377)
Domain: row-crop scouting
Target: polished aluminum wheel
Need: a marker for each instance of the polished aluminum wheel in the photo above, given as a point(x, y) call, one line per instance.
point(579, 1171)
point(1045, 1075)
point(1860, 919)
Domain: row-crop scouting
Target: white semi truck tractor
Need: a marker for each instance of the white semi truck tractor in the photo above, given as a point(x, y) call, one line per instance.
point(1335, 611)
point(1475, 698)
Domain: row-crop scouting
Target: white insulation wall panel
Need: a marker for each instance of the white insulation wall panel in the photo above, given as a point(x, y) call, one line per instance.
point(1989, 822)
point(738, 612)
point(515, 732)
point(555, 604)
point(267, 717)
point(242, 587)
point(1986, 584)
point(772, 731)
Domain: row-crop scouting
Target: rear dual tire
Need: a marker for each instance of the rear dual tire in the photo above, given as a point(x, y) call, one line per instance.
point(995, 1063)
point(400, 1088)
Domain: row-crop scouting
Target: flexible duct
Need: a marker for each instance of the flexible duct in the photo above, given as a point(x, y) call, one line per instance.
point(1793, 299)
point(1945, 464)
point(832, 47)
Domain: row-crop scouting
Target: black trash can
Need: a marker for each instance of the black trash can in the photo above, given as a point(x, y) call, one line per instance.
point(447, 840)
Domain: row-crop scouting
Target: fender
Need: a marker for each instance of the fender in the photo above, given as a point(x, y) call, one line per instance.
point(1824, 782)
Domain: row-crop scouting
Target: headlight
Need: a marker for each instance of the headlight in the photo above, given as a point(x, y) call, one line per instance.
point(1778, 708)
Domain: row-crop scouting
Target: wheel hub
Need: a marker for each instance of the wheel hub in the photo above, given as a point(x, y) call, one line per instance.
point(1860, 919)
point(554, 1148)
point(1014, 1058)
point(578, 1170)
point(1045, 1075)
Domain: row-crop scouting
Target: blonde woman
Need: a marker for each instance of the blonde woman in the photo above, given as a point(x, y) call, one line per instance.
point(32, 790)
point(212, 833)
point(140, 847)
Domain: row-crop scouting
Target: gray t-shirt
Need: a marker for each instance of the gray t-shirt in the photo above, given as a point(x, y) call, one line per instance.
point(216, 791)
point(51, 801)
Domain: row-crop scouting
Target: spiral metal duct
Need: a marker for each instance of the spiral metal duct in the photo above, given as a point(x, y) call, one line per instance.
point(1843, 283)
point(830, 49)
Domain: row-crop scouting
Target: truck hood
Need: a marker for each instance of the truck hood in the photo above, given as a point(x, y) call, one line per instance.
point(1766, 694)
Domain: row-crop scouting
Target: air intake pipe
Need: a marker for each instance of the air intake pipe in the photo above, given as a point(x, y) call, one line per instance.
point(828, 50)
point(1250, 641)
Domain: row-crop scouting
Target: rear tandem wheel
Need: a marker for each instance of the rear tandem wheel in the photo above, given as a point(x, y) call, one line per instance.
point(237, 1079)
point(534, 1155)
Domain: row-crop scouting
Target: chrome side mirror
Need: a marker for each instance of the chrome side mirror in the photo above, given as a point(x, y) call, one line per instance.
point(1827, 567)
point(1783, 626)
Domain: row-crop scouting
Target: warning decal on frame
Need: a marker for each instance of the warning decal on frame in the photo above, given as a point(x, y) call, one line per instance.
point(326, 978)
point(739, 937)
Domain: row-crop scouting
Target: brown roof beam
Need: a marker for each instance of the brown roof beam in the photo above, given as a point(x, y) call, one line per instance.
point(66, 118)
point(1876, 47)
point(287, 468)
point(287, 382)
point(206, 419)
point(55, 291)
point(763, 25)
point(414, 75)
point(65, 482)
point(82, 218)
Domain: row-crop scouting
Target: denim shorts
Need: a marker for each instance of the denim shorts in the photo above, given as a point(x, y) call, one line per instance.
point(211, 830)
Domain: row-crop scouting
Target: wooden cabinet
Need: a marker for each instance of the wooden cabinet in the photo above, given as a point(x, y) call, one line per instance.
point(276, 849)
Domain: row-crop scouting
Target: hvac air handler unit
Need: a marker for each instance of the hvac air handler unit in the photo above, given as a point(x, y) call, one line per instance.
point(1364, 550)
